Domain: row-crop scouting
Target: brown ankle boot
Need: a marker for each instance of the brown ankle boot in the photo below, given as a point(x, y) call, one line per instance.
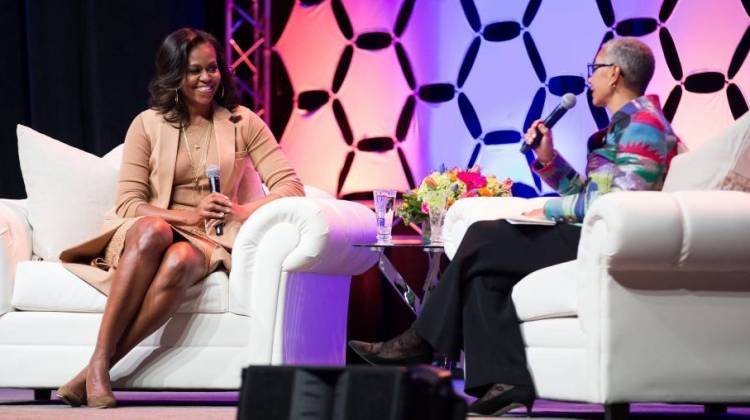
point(406, 349)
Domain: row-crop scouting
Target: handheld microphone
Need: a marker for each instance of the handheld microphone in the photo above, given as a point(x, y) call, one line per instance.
point(212, 173)
point(568, 101)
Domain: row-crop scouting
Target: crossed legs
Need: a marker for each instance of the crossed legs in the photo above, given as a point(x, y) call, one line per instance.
point(150, 283)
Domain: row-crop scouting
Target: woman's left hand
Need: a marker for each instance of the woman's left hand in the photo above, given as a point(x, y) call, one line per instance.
point(237, 212)
point(535, 214)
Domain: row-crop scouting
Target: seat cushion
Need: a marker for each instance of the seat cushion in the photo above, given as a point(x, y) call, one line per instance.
point(547, 293)
point(48, 286)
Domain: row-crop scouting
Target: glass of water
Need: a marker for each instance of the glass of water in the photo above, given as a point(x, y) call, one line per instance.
point(385, 200)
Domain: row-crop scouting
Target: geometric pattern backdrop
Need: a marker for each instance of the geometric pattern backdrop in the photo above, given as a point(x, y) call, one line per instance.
point(382, 92)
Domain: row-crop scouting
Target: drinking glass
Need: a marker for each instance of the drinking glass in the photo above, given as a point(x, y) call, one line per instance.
point(385, 201)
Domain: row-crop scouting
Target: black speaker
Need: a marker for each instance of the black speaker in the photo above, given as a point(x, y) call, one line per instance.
point(351, 393)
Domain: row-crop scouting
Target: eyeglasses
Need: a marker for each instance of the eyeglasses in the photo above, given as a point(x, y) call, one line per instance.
point(593, 66)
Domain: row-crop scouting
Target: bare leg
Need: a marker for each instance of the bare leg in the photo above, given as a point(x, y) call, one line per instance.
point(182, 266)
point(145, 244)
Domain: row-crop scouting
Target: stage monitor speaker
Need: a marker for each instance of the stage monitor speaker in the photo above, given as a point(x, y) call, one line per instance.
point(351, 393)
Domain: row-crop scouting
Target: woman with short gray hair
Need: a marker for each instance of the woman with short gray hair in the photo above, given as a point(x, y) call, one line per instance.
point(471, 308)
point(634, 60)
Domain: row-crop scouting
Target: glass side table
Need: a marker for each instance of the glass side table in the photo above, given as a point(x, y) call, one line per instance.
point(434, 252)
point(395, 279)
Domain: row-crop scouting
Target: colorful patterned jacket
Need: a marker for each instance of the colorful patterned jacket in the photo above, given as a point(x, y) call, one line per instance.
point(632, 153)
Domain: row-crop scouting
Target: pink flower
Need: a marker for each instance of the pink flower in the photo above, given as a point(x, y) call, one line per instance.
point(425, 208)
point(473, 180)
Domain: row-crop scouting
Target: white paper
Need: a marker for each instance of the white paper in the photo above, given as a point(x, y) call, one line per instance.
point(526, 220)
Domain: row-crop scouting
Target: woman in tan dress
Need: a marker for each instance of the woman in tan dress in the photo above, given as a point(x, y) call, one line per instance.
point(161, 238)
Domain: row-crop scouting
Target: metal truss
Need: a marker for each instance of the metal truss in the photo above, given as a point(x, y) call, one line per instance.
point(248, 52)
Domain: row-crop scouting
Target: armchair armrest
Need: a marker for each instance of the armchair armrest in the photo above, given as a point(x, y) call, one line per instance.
point(15, 246)
point(663, 295)
point(684, 231)
point(298, 234)
point(466, 211)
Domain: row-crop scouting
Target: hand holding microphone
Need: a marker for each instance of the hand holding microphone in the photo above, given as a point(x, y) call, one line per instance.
point(539, 137)
point(215, 206)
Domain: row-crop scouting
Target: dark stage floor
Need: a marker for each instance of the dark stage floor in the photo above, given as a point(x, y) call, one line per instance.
point(19, 404)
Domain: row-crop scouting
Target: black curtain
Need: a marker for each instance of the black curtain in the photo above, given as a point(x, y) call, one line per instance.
point(78, 70)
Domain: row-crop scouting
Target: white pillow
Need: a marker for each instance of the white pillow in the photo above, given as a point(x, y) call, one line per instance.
point(68, 190)
point(722, 163)
point(114, 157)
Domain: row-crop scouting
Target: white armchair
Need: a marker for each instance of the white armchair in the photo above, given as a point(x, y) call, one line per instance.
point(285, 300)
point(656, 306)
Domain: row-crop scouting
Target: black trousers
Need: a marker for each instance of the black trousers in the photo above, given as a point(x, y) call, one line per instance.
point(471, 307)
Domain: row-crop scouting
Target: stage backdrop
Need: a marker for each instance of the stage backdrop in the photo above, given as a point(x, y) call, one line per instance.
point(380, 93)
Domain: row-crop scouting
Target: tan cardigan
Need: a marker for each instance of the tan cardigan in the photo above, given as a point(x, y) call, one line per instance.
point(147, 173)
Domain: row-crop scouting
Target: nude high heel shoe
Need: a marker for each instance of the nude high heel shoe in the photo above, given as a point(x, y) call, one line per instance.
point(102, 401)
point(69, 397)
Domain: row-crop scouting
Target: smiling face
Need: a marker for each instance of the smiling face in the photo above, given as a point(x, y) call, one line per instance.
point(202, 78)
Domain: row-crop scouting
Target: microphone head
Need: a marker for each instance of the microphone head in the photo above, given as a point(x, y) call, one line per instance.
point(568, 101)
point(212, 171)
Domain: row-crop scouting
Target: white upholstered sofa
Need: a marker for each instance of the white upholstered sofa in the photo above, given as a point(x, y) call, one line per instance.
point(656, 308)
point(284, 302)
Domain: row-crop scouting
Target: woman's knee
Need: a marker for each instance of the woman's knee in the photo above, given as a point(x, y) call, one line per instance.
point(485, 228)
point(481, 232)
point(150, 235)
point(182, 265)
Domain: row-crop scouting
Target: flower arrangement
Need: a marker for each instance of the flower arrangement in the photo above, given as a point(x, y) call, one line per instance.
point(452, 184)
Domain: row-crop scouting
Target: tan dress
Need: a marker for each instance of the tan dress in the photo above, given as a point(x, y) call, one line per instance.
point(185, 196)
point(156, 169)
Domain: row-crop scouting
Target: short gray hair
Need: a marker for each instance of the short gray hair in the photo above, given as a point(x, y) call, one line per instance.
point(635, 59)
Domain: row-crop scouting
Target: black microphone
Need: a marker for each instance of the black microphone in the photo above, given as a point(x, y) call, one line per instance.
point(212, 173)
point(568, 101)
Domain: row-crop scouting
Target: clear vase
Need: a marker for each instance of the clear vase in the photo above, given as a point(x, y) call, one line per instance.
point(436, 214)
point(437, 217)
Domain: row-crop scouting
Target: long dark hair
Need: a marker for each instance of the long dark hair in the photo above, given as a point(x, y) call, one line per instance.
point(171, 68)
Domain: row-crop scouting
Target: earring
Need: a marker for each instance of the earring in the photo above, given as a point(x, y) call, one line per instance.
point(177, 96)
point(222, 92)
